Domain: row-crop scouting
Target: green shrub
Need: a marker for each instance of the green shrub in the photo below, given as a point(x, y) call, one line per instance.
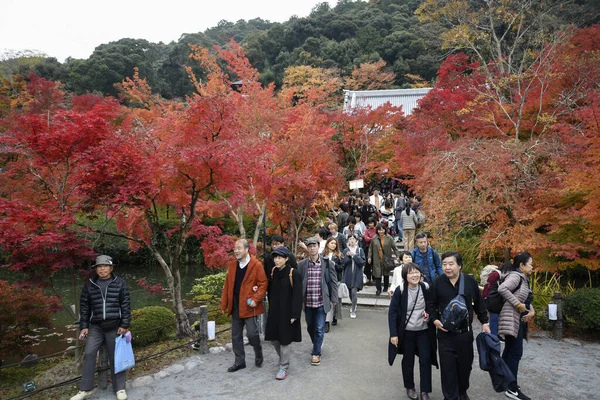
point(151, 324)
point(582, 309)
point(210, 284)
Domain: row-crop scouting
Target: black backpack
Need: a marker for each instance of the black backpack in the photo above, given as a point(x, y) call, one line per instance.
point(494, 300)
point(456, 312)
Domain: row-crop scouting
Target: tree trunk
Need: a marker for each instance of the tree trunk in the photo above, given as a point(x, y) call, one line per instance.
point(507, 254)
point(174, 283)
point(259, 223)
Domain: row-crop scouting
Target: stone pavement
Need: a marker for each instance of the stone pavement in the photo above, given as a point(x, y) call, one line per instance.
point(354, 366)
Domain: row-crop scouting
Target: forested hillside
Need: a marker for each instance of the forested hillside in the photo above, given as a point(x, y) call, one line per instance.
point(339, 37)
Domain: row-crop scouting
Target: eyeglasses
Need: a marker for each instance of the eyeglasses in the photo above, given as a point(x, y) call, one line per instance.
point(413, 273)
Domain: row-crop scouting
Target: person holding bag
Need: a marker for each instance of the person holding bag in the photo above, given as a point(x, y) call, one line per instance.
point(105, 313)
point(516, 313)
point(380, 255)
point(411, 332)
point(353, 260)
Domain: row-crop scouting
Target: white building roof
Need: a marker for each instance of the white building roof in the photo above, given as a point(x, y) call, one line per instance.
point(407, 98)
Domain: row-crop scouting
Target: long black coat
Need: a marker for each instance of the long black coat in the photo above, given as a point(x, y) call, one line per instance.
point(397, 315)
point(285, 303)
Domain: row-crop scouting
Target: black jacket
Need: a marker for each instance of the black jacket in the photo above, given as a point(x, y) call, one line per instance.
point(96, 307)
point(285, 303)
point(397, 317)
point(442, 291)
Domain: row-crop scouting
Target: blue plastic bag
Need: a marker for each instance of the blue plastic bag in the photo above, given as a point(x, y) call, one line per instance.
point(124, 359)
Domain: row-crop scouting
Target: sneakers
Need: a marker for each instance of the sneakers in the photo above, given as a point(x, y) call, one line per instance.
point(315, 360)
point(281, 375)
point(412, 394)
point(518, 395)
point(352, 314)
point(82, 395)
point(121, 395)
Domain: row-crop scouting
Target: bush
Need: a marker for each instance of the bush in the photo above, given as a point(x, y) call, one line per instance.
point(582, 309)
point(210, 284)
point(151, 324)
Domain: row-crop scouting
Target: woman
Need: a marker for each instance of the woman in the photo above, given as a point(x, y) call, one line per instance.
point(360, 225)
point(387, 213)
point(409, 227)
point(353, 260)
point(368, 236)
point(380, 257)
point(397, 279)
point(105, 309)
point(411, 332)
point(285, 307)
point(332, 252)
point(516, 313)
point(492, 278)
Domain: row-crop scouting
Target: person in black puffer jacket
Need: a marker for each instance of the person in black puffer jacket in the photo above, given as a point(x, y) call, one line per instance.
point(105, 313)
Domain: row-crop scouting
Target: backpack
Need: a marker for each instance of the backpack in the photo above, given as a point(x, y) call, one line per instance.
point(456, 311)
point(291, 281)
point(486, 272)
point(494, 301)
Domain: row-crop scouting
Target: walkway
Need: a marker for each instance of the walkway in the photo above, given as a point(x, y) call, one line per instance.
point(355, 366)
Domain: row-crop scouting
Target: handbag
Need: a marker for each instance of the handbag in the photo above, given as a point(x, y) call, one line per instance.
point(343, 292)
point(387, 261)
point(124, 358)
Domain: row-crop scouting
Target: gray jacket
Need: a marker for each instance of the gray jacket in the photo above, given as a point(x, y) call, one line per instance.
point(329, 281)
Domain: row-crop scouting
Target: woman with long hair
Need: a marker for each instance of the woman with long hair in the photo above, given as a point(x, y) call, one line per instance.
point(333, 254)
point(380, 256)
point(409, 227)
point(353, 259)
point(411, 331)
point(514, 317)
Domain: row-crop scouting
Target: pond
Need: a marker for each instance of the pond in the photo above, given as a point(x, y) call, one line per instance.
point(62, 335)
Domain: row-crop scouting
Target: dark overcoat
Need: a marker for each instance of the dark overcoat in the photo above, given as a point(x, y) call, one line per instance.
point(397, 315)
point(285, 303)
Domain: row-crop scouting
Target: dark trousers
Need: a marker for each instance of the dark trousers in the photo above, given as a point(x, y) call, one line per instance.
point(416, 342)
point(513, 351)
point(386, 283)
point(96, 336)
point(456, 361)
point(237, 335)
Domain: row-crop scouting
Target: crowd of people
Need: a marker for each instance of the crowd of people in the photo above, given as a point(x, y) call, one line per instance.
point(431, 312)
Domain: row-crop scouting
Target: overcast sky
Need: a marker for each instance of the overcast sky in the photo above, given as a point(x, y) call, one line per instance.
point(73, 28)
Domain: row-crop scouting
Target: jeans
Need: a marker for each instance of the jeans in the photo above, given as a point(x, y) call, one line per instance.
point(398, 227)
point(315, 325)
point(513, 351)
point(494, 323)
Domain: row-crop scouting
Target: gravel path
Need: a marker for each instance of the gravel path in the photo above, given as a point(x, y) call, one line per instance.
point(354, 366)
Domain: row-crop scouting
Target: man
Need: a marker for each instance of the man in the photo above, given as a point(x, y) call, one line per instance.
point(333, 229)
point(426, 258)
point(376, 199)
point(456, 345)
point(277, 241)
point(342, 217)
point(367, 210)
point(243, 303)
point(399, 205)
point(319, 290)
point(105, 306)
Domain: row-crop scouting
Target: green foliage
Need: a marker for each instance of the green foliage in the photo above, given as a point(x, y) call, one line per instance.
point(151, 324)
point(209, 285)
point(544, 285)
point(582, 309)
point(466, 243)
